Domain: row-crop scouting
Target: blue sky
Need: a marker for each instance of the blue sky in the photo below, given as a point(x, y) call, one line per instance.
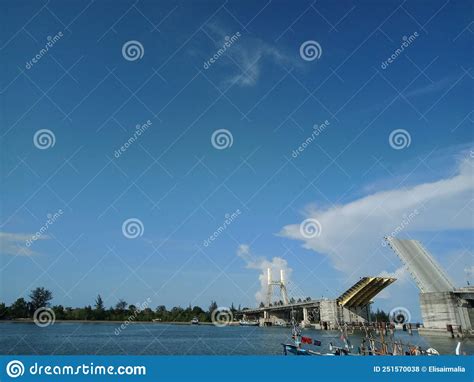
point(269, 98)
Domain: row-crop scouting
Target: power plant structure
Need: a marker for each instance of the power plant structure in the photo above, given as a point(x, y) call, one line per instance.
point(445, 309)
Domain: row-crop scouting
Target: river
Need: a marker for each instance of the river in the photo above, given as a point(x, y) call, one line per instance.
point(75, 338)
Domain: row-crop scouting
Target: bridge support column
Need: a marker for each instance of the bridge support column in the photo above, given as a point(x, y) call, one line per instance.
point(305, 318)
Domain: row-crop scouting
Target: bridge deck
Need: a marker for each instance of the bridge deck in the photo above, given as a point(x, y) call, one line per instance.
point(363, 291)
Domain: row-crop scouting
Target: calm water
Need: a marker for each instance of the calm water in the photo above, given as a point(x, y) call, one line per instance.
point(145, 338)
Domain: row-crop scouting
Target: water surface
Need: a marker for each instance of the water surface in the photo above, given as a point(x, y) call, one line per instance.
point(65, 338)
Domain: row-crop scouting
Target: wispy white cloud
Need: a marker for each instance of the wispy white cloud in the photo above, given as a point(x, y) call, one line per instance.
point(351, 234)
point(248, 56)
point(432, 87)
point(261, 264)
point(251, 57)
point(15, 243)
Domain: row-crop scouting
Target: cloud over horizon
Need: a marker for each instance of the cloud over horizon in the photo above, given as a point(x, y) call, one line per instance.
point(261, 264)
point(14, 244)
point(352, 233)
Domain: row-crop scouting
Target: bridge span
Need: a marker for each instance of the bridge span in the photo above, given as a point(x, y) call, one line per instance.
point(352, 306)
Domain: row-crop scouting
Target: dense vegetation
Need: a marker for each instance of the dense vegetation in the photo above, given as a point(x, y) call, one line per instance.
point(41, 297)
point(379, 316)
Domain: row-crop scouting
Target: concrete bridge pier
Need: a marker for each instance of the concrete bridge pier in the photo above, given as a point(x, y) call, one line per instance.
point(305, 321)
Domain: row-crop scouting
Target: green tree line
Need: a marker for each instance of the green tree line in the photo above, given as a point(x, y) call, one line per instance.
point(41, 298)
point(379, 316)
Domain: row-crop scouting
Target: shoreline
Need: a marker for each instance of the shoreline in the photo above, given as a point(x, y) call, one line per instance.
point(31, 321)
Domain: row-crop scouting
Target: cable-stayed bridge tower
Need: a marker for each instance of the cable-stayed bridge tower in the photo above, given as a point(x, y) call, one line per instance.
point(280, 283)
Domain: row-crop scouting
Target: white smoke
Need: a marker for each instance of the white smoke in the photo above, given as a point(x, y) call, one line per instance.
point(260, 263)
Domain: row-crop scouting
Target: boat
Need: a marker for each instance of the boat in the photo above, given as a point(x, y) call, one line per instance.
point(195, 321)
point(295, 347)
point(389, 345)
point(369, 345)
point(248, 323)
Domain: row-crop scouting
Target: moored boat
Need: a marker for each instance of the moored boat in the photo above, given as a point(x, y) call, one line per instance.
point(248, 323)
